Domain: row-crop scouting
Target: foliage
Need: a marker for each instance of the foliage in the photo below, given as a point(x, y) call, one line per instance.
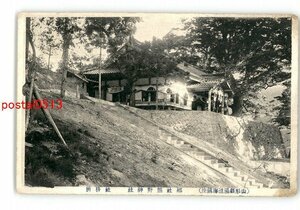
point(266, 139)
point(136, 60)
point(68, 28)
point(49, 42)
point(109, 32)
point(158, 62)
point(257, 49)
point(284, 116)
point(179, 48)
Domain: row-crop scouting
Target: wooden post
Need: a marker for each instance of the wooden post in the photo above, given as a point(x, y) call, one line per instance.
point(99, 86)
point(85, 87)
point(209, 100)
point(223, 103)
point(156, 95)
point(77, 91)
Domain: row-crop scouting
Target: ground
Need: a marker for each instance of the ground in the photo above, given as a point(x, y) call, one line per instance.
point(108, 150)
point(114, 145)
point(108, 146)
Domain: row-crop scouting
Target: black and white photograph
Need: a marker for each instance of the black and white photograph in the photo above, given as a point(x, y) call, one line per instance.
point(157, 104)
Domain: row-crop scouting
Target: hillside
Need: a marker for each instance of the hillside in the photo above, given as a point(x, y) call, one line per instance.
point(112, 146)
point(115, 145)
point(108, 149)
point(246, 139)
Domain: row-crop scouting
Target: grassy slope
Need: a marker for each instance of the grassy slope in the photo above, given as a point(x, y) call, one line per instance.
point(111, 147)
point(247, 140)
point(240, 142)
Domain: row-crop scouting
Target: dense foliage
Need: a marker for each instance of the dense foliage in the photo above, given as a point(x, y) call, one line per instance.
point(257, 51)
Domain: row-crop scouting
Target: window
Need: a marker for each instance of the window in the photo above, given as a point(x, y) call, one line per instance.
point(169, 91)
point(185, 99)
point(172, 98)
point(149, 94)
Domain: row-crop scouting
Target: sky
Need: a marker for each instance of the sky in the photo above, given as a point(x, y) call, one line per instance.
point(155, 26)
point(150, 26)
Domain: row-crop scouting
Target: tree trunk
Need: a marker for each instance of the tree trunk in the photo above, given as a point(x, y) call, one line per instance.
point(32, 69)
point(49, 58)
point(28, 21)
point(238, 102)
point(132, 94)
point(65, 59)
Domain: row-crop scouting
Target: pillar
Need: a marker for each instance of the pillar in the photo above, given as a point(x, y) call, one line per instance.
point(99, 86)
point(209, 100)
point(223, 100)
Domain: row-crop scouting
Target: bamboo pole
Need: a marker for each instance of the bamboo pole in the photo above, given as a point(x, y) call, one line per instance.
point(48, 116)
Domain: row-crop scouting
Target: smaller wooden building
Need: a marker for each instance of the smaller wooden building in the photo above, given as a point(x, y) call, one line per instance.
point(212, 91)
point(77, 84)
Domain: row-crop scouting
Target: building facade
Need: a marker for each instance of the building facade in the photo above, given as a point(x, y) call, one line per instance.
point(196, 90)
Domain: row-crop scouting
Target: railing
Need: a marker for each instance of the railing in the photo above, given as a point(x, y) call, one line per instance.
point(161, 102)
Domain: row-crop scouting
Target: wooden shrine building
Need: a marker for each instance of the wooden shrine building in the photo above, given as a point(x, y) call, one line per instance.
point(196, 90)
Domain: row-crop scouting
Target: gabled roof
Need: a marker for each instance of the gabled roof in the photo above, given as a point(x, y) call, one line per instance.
point(77, 75)
point(192, 70)
point(206, 86)
point(201, 87)
point(107, 65)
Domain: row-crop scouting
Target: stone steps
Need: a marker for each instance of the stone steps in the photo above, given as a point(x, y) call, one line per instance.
point(210, 160)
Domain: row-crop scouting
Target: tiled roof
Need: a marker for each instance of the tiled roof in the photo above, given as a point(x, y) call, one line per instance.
point(201, 87)
point(103, 71)
point(206, 86)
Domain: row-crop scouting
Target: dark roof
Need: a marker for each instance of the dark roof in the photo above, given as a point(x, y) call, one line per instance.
point(77, 75)
point(191, 69)
point(103, 71)
point(108, 63)
point(205, 86)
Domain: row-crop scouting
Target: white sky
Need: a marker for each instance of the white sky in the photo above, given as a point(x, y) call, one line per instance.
point(155, 26)
point(150, 26)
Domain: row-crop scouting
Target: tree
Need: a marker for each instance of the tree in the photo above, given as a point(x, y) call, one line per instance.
point(48, 39)
point(136, 60)
point(129, 60)
point(158, 63)
point(30, 65)
point(179, 47)
point(109, 32)
point(284, 116)
point(255, 48)
point(67, 28)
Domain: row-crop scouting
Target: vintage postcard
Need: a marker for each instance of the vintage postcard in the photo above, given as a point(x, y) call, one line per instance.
point(157, 104)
